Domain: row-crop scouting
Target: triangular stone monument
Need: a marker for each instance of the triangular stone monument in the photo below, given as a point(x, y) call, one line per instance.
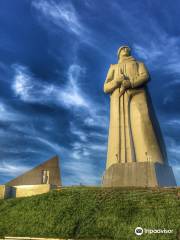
point(45, 173)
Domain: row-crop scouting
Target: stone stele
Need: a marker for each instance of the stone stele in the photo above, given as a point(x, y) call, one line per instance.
point(136, 153)
point(38, 180)
point(46, 173)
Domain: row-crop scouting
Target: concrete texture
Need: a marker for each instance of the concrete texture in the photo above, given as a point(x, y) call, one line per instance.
point(36, 175)
point(30, 190)
point(24, 190)
point(5, 191)
point(139, 174)
point(136, 154)
point(133, 136)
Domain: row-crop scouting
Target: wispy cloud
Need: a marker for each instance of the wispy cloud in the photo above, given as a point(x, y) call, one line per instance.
point(82, 135)
point(79, 157)
point(71, 122)
point(62, 15)
point(150, 54)
point(173, 150)
point(31, 89)
point(7, 113)
point(96, 119)
point(54, 146)
point(12, 169)
point(70, 95)
point(175, 122)
point(152, 43)
point(163, 52)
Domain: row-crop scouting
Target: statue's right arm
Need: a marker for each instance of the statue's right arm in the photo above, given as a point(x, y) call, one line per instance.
point(142, 77)
point(110, 84)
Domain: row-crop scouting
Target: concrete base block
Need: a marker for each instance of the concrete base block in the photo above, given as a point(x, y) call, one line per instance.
point(5, 191)
point(139, 174)
point(30, 190)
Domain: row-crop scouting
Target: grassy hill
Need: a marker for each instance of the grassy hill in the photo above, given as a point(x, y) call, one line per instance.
point(92, 213)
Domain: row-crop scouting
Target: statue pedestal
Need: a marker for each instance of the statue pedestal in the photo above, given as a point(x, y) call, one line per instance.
point(139, 174)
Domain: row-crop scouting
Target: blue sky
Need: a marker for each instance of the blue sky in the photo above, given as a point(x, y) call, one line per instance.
point(54, 56)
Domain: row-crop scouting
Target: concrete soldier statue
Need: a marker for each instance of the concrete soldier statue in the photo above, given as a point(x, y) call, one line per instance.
point(135, 148)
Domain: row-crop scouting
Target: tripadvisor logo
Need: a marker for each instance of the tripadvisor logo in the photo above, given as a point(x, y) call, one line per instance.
point(138, 231)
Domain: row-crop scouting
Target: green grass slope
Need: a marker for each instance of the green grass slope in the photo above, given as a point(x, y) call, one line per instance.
point(92, 213)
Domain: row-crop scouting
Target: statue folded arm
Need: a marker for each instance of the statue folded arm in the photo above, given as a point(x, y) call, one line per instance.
point(111, 82)
point(141, 78)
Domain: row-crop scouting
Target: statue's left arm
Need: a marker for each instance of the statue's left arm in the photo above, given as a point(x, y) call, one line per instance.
point(142, 77)
point(110, 84)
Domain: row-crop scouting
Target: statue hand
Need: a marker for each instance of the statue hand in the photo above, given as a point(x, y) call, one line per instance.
point(126, 84)
point(120, 79)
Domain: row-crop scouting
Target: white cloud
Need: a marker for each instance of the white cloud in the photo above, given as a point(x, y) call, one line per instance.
point(72, 95)
point(82, 135)
point(78, 160)
point(149, 54)
point(25, 86)
point(159, 49)
point(11, 170)
point(173, 150)
point(31, 89)
point(63, 15)
point(95, 119)
point(99, 135)
point(173, 122)
point(56, 147)
point(162, 52)
point(58, 17)
point(7, 113)
point(98, 147)
point(22, 84)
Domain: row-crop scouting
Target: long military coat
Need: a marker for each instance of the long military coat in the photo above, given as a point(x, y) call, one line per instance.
point(132, 137)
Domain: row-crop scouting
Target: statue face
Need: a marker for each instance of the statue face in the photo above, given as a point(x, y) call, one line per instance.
point(125, 51)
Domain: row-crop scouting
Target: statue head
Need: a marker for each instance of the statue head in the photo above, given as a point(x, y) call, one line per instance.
point(124, 51)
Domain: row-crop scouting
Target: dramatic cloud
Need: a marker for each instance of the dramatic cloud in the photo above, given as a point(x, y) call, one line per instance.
point(62, 15)
point(30, 89)
point(86, 144)
point(11, 170)
point(52, 68)
point(162, 53)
